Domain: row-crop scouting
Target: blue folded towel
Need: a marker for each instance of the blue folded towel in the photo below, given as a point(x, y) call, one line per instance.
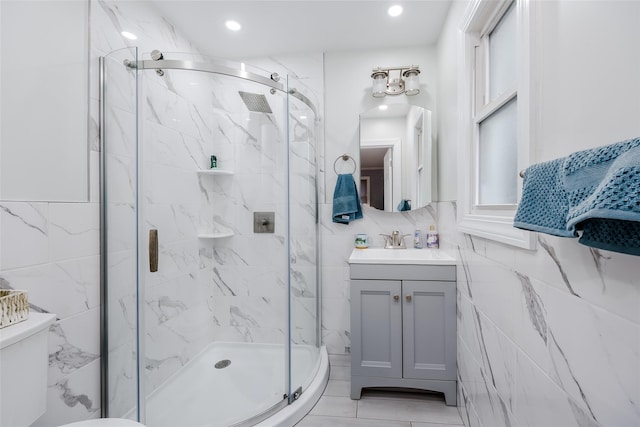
point(404, 205)
point(595, 191)
point(346, 202)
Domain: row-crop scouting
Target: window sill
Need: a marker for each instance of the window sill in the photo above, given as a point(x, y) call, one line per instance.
point(497, 228)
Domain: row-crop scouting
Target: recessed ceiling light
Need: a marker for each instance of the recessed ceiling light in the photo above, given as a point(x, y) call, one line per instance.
point(303, 117)
point(233, 25)
point(382, 107)
point(395, 10)
point(129, 35)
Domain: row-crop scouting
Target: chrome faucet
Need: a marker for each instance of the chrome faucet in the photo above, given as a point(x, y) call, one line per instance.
point(395, 240)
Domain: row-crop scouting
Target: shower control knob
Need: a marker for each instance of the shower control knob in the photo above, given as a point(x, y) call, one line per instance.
point(264, 222)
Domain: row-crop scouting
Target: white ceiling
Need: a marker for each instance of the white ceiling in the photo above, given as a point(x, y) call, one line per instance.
point(297, 26)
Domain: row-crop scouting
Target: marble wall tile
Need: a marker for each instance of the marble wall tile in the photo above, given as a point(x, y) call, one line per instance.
point(469, 328)
point(122, 185)
point(94, 177)
point(121, 125)
point(65, 288)
point(601, 277)
point(594, 359)
point(466, 409)
point(340, 282)
point(122, 381)
point(491, 408)
point(75, 397)
point(304, 316)
point(73, 344)
point(336, 341)
point(74, 230)
point(498, 359)
point(530, 320)
point(250, 335)
point(493, 291)
point(336, 324)
point(535, 391)
point(25, 234)
point(174, 222)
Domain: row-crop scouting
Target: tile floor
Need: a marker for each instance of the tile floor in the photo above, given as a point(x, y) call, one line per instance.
point(376, 408)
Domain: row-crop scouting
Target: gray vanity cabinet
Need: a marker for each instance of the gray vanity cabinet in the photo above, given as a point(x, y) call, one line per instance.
point(403, 328)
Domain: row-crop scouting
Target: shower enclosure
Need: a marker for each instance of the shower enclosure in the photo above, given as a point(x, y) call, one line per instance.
point(210, 274)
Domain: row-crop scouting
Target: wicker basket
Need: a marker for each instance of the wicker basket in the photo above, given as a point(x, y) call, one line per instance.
point(14, 307)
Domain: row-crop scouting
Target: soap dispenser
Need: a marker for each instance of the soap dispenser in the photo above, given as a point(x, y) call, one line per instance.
point(433, 240)
point(417, 239)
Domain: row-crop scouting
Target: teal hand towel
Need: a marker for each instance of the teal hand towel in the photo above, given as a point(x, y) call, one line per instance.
point(346, 202)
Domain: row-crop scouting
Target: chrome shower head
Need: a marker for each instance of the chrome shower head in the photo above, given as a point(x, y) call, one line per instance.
point(255, 102)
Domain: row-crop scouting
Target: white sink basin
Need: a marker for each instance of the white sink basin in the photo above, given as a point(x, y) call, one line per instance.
point(401, 256)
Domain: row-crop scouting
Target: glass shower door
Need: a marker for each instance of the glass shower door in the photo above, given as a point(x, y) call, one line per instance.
point(119, 170)
point(207, 316)
point(214, 311)
point(304, 296)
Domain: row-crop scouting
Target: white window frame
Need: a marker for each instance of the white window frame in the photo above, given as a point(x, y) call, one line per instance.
point(491, 222)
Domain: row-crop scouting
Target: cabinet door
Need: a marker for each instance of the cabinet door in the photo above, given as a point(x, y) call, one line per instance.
point(429, 334)
point(376, 328)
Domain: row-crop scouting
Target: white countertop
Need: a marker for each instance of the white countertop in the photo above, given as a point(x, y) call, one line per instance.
point(401, 256)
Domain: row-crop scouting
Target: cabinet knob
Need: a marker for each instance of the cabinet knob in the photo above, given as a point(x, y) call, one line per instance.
point(396, 297)
point(408, 297)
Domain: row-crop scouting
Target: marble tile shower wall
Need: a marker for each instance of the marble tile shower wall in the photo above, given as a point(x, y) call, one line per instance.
point(548, 337)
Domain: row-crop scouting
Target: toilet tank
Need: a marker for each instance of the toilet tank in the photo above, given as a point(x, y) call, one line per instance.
point(24, 360)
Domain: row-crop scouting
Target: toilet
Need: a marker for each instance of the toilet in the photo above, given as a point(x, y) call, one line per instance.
point(24, 360)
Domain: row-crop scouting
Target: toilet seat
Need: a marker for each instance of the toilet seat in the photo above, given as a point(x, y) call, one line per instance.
point(104, 422)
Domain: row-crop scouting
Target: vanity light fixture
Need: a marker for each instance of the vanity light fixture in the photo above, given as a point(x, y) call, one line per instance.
point(395, 80)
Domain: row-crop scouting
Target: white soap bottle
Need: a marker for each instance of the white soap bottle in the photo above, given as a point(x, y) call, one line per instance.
point(433, 241)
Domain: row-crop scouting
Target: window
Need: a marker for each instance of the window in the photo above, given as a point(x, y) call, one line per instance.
point(496, 141)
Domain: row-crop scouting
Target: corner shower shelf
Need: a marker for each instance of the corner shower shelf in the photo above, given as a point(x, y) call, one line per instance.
point(214, 235)
point(214, 172)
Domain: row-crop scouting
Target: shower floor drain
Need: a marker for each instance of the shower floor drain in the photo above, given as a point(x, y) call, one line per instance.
point(223, 364)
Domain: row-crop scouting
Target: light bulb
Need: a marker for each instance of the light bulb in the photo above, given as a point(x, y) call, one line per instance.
point(395, 10)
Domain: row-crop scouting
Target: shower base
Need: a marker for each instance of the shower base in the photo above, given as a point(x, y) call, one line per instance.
point(211, 392)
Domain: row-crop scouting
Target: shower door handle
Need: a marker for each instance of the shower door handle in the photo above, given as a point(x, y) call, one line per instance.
point(153, 250)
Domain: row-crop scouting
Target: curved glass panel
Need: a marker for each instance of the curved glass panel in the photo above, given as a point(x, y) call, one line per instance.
point(303, 240)
point(119, 230)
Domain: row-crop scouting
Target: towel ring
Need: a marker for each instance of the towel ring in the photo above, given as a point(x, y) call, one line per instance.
point(346, 158)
